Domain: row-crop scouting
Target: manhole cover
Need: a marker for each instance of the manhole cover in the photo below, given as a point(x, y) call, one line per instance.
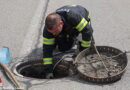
point(34, 69)
point(91, 67)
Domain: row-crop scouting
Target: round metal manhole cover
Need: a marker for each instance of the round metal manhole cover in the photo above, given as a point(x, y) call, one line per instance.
point(35, 69)
point(94, 68)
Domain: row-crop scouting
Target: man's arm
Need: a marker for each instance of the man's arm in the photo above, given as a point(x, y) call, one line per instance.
point(48, 46)
point(83, 25)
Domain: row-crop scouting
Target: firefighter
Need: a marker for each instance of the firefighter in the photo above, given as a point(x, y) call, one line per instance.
point(61, 29)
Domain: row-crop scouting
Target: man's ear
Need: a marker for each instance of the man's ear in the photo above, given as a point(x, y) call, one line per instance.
point(61, 23)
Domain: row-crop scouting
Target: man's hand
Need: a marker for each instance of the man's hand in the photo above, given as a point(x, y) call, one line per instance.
point(48, 71)
point(49, 75)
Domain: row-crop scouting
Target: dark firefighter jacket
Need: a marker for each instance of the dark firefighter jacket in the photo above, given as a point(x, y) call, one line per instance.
point(76, 20)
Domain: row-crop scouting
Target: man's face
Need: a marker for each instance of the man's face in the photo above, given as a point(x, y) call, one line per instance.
point(56, 29)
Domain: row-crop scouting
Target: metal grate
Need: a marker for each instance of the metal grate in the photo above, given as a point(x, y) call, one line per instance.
point(91, 68)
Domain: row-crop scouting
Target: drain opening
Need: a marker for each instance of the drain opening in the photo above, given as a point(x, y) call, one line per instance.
point(35, 69)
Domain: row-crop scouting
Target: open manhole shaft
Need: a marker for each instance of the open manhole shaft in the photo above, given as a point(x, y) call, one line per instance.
point(61, 61)
point(35, 68)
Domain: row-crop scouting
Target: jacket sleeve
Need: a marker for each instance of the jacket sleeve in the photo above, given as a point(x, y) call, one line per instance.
point(48, 45)
point(82, 25)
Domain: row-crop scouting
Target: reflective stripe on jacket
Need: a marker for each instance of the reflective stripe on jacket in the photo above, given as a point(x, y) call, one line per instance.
point(76, 20)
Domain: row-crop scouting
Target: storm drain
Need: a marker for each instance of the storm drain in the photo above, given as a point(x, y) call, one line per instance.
point(35, 69)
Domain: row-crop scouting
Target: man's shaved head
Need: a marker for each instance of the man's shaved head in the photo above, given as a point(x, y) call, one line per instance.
point(52, 20)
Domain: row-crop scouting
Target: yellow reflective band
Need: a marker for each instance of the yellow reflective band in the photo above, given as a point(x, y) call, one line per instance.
point(81, 25)
point(47, 61)
point(44, 59)
point(89, 23)
point(89, 16)
point(85, 43)
point(47, 41)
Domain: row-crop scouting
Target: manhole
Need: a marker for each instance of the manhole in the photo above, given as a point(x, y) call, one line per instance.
point(92, 68)
point(34, 69)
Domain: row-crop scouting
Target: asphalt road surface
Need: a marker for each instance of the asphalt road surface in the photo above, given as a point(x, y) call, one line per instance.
point(22, 21)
